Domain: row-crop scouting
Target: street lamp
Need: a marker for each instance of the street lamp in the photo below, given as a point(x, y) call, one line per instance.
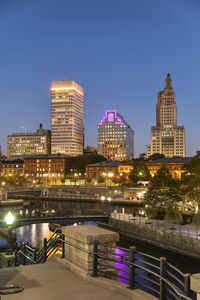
point(9, 219)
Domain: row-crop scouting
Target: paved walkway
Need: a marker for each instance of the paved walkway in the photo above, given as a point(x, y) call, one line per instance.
point(185, 230)
point(52, 281)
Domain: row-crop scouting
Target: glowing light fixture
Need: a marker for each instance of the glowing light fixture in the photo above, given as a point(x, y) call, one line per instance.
point(9, 218)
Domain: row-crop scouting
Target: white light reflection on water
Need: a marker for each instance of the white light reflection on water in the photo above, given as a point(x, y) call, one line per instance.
point(33, 234)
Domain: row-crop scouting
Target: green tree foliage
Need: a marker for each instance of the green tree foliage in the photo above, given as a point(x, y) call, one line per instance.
point(78, 163)
point(191, 181)
point(155, 212)
point(17, 179)
point(163, 189)
point(196, 220)
point(139, 172)
point(101, 179)
point(173, 215)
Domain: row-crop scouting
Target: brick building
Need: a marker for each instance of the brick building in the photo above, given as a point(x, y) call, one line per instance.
point(49, 166)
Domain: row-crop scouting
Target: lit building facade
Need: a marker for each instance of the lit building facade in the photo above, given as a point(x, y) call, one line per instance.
point(45, 166)
point(174, 164)
point(11, 167)
point(115, 137)
point(67, 123)
point(39, 142)
point(166, 137)
point(108, 169)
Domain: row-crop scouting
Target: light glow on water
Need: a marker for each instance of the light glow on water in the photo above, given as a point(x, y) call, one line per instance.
point(33, 234)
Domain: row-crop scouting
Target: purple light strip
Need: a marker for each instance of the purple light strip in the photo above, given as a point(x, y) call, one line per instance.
point(106, 116)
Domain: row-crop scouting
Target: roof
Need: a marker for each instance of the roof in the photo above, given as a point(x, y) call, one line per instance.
point(110, 163)
point(43, 132)
point(13, 161)
point(41, 156)
point(172, 160)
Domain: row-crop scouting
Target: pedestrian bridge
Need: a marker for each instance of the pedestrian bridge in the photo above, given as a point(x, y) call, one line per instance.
point(48, 219)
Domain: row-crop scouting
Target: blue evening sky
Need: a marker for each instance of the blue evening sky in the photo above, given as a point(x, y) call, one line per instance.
point(119, 51)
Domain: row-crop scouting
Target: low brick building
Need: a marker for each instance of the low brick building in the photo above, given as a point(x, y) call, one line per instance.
point(175, 165)
point(12, 167)
point(49, 166)
point(109, 169)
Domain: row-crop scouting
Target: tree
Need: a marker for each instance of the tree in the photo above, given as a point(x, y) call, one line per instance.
point(190, 181)
point(140, 172)
point(173, 215)
point(88, 180)
point(163, 190)
point(78, 163)
point(116, 179)
point(101, 179)
point(196, 220)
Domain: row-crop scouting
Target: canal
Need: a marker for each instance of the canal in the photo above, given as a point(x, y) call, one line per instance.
point(34, 234)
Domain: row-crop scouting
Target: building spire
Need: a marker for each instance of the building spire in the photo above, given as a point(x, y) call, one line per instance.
point(168, 82)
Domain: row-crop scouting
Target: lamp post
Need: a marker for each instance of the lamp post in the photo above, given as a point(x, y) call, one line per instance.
point(9, 219)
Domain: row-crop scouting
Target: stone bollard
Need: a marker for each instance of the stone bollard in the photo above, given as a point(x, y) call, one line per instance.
point(83, 237)
point(195, 284)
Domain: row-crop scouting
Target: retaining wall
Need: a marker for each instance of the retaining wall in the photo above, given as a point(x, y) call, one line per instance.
point(168, 240)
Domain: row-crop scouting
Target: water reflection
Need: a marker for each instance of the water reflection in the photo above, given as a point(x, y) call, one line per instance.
point(33, 234)
point(142, 279)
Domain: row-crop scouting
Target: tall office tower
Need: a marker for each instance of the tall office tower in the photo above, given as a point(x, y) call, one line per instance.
point(29, 143)
point(115, 137)
point(166, 137)
point(66, 118)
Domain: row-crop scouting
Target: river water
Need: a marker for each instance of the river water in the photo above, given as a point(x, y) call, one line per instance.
point(34, 234)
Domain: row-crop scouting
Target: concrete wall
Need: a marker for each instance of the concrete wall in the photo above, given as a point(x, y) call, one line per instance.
point(195, 284)
point(82, 239)
point(168, 240)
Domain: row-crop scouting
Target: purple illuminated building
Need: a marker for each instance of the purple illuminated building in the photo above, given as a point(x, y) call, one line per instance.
point(115, 137)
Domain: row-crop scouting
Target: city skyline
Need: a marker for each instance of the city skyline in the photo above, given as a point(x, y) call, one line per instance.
point(120, 54)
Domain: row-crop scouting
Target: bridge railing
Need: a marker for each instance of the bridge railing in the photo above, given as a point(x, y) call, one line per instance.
point(135, 269)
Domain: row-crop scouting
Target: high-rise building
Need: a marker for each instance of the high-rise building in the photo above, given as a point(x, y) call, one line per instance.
point(39, 142)
point(166, 137)
point(115, 137)
point(67, 118)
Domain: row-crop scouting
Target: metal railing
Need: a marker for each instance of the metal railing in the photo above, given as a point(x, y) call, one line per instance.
point(183, 230)
point(27, 255)
point(135, 269)
point(138, 270)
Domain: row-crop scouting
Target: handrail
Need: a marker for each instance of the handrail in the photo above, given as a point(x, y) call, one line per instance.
point(174, 268)
point(56, 241)
point(26, 256)
point(152, 273)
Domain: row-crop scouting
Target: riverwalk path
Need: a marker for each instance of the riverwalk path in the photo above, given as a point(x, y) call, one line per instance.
point(53, 281)
point(185, 230)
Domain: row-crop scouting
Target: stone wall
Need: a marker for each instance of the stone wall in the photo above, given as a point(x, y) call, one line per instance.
point(167, 240)
point(79, 244)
